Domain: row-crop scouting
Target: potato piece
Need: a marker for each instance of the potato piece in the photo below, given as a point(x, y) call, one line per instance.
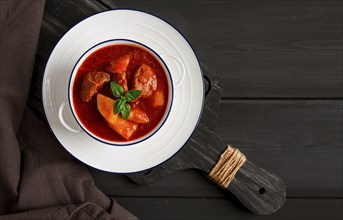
point(138, 116)
point(158, 99)
point(118, 70)
point(123, 127)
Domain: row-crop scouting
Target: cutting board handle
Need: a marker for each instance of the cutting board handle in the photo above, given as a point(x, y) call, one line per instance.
point(259, 190)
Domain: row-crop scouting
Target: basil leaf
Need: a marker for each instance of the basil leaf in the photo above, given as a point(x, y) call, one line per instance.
point(118, 106)
point(117, 89)
point(132, 95)
point(126, 111)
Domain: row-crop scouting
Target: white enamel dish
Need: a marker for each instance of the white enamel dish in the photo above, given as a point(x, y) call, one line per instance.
point(186, 78)
point(113, 42)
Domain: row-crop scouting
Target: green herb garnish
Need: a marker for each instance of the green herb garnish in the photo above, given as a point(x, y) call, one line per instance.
point(120, 105)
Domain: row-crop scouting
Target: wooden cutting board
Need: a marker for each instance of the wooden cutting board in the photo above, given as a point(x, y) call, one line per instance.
point(259, 190)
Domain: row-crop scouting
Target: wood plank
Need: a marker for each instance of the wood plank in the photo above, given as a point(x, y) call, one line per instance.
point(279, 75)
point(263, 48)
point(204, 208)
point(300, 140)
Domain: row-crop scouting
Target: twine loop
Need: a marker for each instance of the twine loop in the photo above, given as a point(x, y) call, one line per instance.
point(227, 166)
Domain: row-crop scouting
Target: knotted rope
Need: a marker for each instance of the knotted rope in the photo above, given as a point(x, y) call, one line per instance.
point(227, 166)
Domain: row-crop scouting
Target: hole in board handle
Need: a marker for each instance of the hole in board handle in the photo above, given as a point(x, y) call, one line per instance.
point(262, 191)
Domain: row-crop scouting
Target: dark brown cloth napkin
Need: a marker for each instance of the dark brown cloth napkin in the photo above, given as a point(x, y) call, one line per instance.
point(38, 178)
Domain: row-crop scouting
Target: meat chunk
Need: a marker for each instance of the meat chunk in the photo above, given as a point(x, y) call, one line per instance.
point(118, 70)
point(120, 78)
point(91, 83)
point(144, 79)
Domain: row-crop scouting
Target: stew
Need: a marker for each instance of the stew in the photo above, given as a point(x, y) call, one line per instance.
point(141, 81)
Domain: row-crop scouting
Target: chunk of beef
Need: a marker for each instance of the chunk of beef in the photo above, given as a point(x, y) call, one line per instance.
point(91, 83)
point(118, 70)
point(120, 78)
point(144, 79)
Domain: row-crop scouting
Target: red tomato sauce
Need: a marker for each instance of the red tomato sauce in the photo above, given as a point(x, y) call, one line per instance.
point(88, 113)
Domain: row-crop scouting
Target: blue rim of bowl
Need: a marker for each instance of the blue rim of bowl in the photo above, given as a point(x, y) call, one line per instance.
point(139, 140)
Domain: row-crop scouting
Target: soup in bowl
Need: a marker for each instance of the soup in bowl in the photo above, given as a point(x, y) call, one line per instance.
point(120, 92)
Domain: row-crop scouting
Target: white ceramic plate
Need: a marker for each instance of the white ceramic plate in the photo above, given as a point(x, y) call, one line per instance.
point(187, 82)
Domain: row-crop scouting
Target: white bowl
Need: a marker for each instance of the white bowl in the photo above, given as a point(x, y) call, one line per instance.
point(71, 88)
point(186, 80)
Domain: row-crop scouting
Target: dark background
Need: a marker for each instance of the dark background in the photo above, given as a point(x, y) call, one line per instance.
point(282, 102)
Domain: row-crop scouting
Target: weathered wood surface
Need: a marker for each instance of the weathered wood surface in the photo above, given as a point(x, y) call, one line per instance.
point(282, 69)
point(205, 209)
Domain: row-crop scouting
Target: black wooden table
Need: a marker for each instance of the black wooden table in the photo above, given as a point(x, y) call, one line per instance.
point(282, 101)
